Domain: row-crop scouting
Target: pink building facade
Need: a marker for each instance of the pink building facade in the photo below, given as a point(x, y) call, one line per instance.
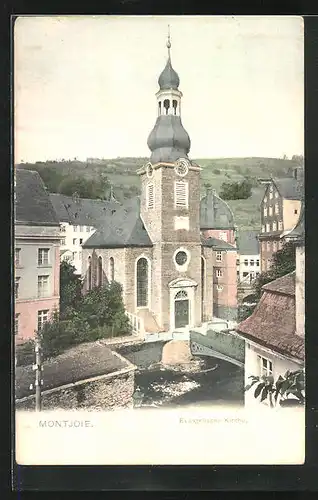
point(36, 257)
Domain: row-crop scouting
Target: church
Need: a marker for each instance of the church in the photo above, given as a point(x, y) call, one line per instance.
point(173, 253)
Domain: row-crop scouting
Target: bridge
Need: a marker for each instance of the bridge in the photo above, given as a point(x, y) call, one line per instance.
point(215, 339)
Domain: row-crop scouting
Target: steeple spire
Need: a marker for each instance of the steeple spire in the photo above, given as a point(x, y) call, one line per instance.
point(169, 43)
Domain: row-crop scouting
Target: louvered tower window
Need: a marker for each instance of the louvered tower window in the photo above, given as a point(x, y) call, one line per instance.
point(181, 194)
point(150, 196)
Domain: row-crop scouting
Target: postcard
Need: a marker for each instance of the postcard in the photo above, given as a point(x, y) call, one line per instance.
point(159, 303)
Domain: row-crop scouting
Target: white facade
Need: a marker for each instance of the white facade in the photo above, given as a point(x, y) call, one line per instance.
point(72, 238)
point(300, 290)
point(248, 267)
point(261, 361)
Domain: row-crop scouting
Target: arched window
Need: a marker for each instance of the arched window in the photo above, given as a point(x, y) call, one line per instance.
point(166, 104)
point(142, 282)
point(111, 269)
point(100, 271)
point(89, 276)
point(159, 107)
point(181, 295)
point(174, 104)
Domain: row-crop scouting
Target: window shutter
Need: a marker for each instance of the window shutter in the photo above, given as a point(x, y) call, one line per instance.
point(181, 194)
point(150, 196)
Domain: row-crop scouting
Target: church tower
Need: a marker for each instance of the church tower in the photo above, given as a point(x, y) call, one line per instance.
point(170, 210)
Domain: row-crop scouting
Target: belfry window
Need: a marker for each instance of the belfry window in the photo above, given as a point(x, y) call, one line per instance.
point(150, 196)
point(181, 194)
point(174, 105)
point(142, 282)
point(166, 104)
point(159, 107)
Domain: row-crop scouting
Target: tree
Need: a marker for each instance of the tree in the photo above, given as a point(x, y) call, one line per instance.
point(283, 262)
point(86, 188)
point(103, 307)
point(236, 190)
point(292, 383)
point(70, 290)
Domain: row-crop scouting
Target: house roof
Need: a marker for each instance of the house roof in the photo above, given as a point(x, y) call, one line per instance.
point(82, 211)
point(284, 285)
point(248, 243)
point(215, 213)
point(289, 188)
point(78, 363)
point(33, 205)
point(216, 244)
point(124, 228)
point(273, 321)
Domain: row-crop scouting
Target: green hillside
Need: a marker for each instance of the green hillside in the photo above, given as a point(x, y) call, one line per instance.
point(121, 173)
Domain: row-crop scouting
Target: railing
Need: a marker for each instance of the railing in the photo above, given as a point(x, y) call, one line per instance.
point(137, 324)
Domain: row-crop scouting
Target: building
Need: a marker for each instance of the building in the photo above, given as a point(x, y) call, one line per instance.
point(37, 255)
point(248, 262)
point(280, 209)
point(79, 218)
point(275, 333)
point(173, 253)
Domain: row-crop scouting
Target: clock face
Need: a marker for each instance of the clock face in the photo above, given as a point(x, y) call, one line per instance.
point(149, 169)
point(182, 167)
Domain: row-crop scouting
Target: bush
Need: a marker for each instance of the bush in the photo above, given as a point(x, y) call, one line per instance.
point(25, 353)
point(217, 171)
point(236, 190)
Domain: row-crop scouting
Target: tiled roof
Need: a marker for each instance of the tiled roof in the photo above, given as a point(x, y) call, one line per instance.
point(284, 285)
point(248, 243)
point(33, 205)
point(273, 322)
point(82, 211)
point(124, 229)
point(289, 188)
point(217, 244)
point(78, 363)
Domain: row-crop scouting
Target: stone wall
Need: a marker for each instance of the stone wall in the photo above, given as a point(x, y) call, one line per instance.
point(101, 393)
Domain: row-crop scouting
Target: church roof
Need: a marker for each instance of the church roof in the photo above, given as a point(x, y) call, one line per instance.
point(169, 78)
point(82, 211)
point(247, 243)
point(123, 229)
point(168, 141)
point(215, 212)
point(217, 244)
point(33, 205)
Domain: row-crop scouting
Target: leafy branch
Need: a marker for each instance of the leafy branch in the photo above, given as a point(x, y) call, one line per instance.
point(291, 384)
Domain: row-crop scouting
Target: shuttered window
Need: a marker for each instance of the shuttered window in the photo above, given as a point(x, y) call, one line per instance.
point(181, 194)
point(150, 196)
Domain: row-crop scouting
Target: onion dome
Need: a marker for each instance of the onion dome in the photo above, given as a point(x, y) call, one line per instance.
point(168, 140)
point(169, 78)
point(215, 213)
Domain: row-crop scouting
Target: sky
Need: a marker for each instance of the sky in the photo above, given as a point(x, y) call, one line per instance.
point(84, 86)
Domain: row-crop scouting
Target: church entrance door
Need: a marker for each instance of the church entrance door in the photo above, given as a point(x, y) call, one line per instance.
point(181, 309)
